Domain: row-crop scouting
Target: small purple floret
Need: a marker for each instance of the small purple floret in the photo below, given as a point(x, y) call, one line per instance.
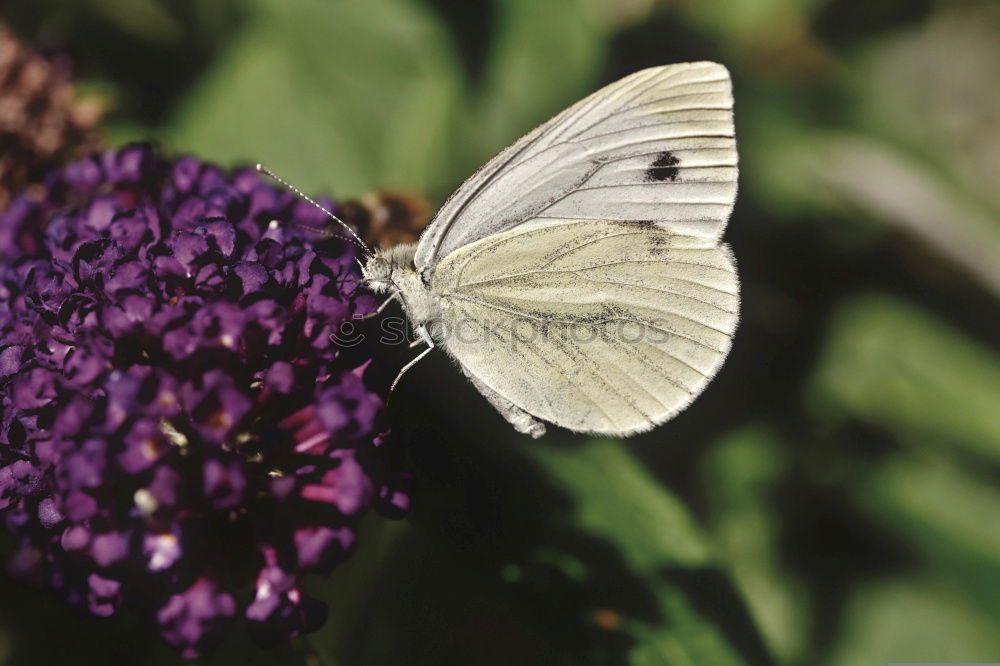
point(180, 434)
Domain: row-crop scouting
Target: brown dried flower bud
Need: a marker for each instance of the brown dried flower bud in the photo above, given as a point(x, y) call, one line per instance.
point(42, 120)
point(387, 217)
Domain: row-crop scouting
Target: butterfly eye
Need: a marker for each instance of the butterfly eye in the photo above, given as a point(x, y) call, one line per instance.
point(384, 269)
point(378, 270)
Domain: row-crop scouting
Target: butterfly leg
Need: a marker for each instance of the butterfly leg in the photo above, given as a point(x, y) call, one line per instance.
point(424, 337)
point(522, 421)
point(378, 311)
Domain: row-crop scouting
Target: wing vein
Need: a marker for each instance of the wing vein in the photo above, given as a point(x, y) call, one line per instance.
point(660, 100)
point(662, 291)
point(501, 278)
point(663, 310)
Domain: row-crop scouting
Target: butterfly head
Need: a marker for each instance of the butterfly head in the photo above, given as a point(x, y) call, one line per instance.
point(377, 272)
point(387, 269)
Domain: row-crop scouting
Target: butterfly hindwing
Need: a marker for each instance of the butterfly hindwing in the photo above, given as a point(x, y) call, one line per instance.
point(595, 325)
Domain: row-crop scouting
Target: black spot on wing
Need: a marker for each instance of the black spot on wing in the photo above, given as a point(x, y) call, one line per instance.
point(649, 225)
point(664, 167)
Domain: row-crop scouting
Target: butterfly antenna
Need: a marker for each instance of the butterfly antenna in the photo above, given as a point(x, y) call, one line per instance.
point(354, 237)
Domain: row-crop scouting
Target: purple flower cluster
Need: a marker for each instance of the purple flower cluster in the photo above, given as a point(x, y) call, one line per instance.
point(180, 434)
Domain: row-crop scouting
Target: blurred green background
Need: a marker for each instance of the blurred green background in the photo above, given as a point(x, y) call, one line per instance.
point(833, 496)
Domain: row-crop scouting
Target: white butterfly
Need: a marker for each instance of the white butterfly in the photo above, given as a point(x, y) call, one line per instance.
point(578, 277)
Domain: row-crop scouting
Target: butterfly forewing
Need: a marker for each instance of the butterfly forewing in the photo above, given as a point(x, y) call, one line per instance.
point(657, 146)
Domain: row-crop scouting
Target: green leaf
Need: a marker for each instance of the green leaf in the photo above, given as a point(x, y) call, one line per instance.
point(913, 620)
point(900, 369)
point(895, 366)
point(909, 90)
point(853, 172)
point(946, 514)
point(536, 555)
point(545, 57)
point(742, 473)
point(354, 96)
point(748, 24)
point(618, 500)
point(608, 486)
point(336, 95)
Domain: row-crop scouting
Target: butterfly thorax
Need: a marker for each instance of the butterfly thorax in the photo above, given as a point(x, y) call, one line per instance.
point(393, 271)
